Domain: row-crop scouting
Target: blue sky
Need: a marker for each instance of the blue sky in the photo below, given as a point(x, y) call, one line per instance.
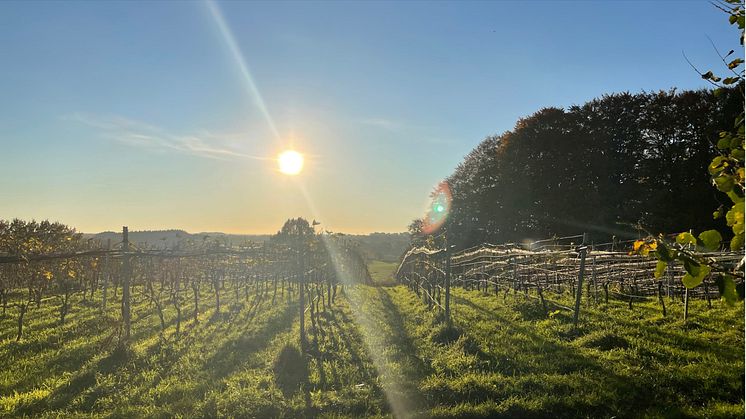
point(139, 113)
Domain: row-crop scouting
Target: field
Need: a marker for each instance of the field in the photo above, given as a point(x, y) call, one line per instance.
point(378, 351)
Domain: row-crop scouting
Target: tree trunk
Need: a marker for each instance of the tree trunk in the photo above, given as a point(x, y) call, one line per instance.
point(216, 286)
point(64, 307)
point(274, 294)
point(159, 307)
point(195, 291)
point(660, 297)
point(22, 312)
point(178, 317)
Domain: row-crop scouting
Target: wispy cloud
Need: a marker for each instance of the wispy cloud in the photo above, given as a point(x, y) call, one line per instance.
point(139, 134)
point(381, 123)
point(416, 133)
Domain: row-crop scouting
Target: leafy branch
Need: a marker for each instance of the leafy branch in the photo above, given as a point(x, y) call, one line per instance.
point(727, 173)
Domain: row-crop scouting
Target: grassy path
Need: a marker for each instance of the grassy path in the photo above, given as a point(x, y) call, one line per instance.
point(378, 351)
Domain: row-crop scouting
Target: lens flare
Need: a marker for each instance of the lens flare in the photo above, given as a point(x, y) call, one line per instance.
point(243, 67)
point(439, 209)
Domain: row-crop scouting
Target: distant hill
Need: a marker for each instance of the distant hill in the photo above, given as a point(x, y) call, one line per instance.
point(387, 247)
point(376, 246)
point(163, 239)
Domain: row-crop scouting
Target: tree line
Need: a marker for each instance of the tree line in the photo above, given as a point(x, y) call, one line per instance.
point(50, 263)
point(613, 166)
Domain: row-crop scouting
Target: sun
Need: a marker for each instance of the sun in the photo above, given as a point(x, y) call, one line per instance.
point(290, 162)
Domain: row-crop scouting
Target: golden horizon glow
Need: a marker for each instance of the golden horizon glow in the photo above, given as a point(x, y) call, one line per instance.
point(290, 162)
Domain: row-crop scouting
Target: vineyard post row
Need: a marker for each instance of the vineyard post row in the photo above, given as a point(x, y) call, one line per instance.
point(557, 264)
point(310, 268)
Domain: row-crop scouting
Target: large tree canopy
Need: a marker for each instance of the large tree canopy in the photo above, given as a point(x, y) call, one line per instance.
point(602, 168)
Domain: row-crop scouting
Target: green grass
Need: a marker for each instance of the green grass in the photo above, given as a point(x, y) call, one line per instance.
point(379, 352)
point(382, 273)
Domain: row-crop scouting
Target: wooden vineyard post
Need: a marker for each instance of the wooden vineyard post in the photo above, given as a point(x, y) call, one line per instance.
point(595, 285)
point(606, 292)
point(669, 283)
point(126, 272)
point(686, 293)
point(512, 265)
point(301, 302)
point(579, 289)
point(448, 284)
point(107, 269)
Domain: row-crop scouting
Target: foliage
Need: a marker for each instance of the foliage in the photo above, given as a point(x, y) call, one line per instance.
point(607, 166)
point(602, 168)
point(727, 172)
point(382, 246)
point(727, 168)
point(295, 231)
point(18, 237)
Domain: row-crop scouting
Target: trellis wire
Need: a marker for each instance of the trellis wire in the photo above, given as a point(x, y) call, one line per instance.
point(554, 265)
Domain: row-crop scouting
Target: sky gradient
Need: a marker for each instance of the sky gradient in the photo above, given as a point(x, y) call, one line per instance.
point(170, 114)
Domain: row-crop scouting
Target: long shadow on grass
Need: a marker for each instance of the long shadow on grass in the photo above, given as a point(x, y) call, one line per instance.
point(231, 354)
point(234, 353)
point(405, 367)
point(550, 354)
point(621, 395)
point(318, 355)
point(63, 395)
point(348, 339)
point(666, 333)
point(164, 355)
point(85, 379)
point(55, 354)
point(393, 317)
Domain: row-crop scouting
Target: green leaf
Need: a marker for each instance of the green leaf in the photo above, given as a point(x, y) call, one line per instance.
point(740, 291)
point(716, 165)
point(711, 239)
point(738, 227)
point(724, 183)
point(727, 288)
point(663, 252)
point(735, 63)
point(691, 266)
point(735, 215)
point(660, 268)
point(685, 238)
point(731, 80)
point(733, 195)
point(724, 143)
point(736, 243)
point(691, 281)
point(730, 217)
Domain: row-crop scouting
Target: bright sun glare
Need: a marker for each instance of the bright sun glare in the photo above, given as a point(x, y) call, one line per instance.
point(290, 162)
